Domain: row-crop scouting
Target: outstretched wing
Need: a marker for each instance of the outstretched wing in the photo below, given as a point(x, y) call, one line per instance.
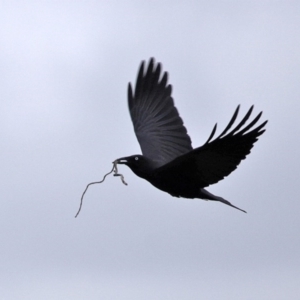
point(157, 124)
point(216, 159)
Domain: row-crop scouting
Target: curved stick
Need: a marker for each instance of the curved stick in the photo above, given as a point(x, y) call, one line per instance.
point(115, 170)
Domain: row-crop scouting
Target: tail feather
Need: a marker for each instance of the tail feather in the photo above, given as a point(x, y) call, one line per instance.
point(204, 194)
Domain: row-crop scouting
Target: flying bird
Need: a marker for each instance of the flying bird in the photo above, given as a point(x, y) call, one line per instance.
point(169, 161)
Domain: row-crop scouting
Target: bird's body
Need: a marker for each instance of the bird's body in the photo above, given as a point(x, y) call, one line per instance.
point(169, 162)
point(186, 184)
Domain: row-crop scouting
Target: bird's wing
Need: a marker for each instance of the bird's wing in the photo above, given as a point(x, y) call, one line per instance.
point(216, 159)
point(157, 124)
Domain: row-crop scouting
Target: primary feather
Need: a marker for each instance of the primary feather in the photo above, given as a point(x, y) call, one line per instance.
point(157, 124)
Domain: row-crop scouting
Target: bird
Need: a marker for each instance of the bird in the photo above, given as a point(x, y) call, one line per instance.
point(168, 160)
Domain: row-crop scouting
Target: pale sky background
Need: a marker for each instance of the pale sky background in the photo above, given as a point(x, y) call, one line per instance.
point(64, 70)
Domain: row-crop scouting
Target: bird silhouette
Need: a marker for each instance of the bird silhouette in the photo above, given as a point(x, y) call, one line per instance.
point(169, 162)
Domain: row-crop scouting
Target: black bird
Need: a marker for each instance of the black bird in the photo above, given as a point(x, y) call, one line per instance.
point(169, 162)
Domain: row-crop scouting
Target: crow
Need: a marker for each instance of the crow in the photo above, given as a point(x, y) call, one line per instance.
point(169, 161)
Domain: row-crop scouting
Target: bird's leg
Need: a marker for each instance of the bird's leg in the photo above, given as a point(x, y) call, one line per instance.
point(115, 167)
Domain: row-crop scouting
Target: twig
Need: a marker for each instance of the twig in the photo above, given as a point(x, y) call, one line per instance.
point(115, 170)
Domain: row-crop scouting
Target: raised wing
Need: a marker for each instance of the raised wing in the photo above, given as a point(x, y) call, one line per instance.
point(157, 124)
point(216, 159)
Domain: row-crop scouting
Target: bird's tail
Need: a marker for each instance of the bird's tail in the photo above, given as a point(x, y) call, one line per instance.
point(204, 194)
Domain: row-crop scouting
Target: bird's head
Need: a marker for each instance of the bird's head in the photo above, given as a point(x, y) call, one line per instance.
point(139, 164)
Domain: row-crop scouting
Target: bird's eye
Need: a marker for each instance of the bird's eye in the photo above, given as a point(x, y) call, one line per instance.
point(136, 158)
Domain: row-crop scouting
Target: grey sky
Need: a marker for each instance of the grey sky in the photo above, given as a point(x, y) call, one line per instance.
point(64, 70)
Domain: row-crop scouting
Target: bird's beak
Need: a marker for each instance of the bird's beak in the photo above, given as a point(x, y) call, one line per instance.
point(121, 161)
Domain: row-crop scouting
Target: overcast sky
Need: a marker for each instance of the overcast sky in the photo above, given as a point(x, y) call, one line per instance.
point(64, 70)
